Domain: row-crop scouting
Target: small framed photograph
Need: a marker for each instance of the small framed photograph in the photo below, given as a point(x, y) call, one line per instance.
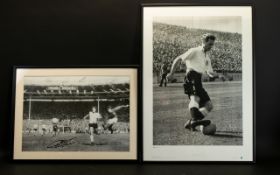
point(75, 113)
point(198, 83)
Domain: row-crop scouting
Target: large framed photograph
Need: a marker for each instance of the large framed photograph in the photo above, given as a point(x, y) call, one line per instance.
point(198, 83)
point(75, 113)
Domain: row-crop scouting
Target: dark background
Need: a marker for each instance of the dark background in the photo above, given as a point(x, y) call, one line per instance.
point(100, 32)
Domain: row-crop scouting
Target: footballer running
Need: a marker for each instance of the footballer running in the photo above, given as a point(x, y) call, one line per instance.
point(113, 117)
point(93, 118)
point(197, 62)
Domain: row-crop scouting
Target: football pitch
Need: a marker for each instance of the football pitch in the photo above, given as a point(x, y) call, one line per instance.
point(75, 142)
point(170, 112)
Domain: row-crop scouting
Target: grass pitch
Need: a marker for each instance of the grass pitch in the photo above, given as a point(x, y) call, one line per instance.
point(170, 106)
point(80, 142)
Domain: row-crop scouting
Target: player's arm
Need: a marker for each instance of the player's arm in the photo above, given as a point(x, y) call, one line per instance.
point(187, 55)
point(175, 64)
point(211, 73)
point(99, 116)
point(120, 107)
point(86, 116)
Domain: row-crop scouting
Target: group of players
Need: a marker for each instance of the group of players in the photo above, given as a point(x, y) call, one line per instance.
point(94, 118)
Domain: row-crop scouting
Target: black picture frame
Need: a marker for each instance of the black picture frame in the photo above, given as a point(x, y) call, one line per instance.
point(228, 4)
point(137, 131)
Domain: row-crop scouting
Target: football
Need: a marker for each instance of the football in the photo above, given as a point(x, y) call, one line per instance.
point(209, 129)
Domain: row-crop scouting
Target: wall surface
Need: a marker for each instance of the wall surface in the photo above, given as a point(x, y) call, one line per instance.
point(102, 32)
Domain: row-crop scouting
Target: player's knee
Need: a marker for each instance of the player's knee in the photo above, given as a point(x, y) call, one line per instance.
point(194, 103)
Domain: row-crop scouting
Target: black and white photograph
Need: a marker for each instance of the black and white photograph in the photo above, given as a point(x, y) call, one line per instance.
point(198, 73)
point(88, 112)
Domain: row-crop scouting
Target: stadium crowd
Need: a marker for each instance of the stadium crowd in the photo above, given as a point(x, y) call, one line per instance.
point(70, 115)
point(170, 41)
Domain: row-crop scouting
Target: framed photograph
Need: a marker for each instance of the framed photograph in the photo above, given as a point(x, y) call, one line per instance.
point(198, 83)
point(75, 113)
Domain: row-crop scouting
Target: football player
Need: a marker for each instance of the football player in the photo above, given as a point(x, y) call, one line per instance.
point(55, 122)
point(197, 62)
point(113, 117)
point(93, 118)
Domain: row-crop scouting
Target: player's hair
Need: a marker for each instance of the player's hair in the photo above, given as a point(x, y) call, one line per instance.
point(208, 36)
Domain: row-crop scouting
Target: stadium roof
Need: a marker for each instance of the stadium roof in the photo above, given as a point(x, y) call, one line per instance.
point(80, 93)
point(75, 80)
